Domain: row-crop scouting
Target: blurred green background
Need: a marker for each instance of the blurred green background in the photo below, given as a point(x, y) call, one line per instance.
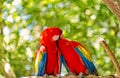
point(85, 21)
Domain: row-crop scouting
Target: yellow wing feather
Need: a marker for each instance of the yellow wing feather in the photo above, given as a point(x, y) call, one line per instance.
point(37, 61)
point(85, 52)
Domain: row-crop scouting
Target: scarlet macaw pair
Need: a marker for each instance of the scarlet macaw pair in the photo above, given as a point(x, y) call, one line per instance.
point(55, 50)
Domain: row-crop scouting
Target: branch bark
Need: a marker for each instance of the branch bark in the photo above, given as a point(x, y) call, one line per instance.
point(111, 55)
point(8, 71)
point(72, 76)
point(114, 6)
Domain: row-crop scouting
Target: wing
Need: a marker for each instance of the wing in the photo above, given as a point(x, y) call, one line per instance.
point(40, 62)
point(85, 55)
point(62, 60)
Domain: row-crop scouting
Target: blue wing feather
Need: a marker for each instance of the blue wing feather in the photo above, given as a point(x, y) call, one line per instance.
point(90, 66)
point(42, 64)
point(62, 60)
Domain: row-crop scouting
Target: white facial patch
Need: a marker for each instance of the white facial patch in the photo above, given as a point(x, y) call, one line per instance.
point(55, 37)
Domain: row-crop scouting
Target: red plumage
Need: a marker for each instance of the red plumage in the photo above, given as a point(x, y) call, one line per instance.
point(48, 33)
point(73, 60)
point(53, 55)
point(76, 60)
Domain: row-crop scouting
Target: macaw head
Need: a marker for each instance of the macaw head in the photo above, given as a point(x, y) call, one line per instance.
point(50, 34)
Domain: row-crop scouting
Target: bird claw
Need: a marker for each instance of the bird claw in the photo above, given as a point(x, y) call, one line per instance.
point(81, 75)
point(58, 76)
point(45, 76)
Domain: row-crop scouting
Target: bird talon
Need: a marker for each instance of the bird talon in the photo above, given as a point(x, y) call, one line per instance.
point(45, 76)
point(81, 74)
point(58, 76)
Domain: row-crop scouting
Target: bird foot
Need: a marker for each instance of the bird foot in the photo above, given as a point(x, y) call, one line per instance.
point(45, 76)
point(58, 76)
point(81, 75)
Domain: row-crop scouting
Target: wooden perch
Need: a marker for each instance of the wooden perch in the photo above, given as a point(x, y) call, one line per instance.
point(71, 76)
point(111, 55)
point(114, 6)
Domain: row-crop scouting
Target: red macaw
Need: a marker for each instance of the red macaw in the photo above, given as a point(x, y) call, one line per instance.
point(47, 60)
point(56, 50)
point(77, 58)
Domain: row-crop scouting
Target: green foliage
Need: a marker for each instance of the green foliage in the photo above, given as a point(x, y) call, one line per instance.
point(81, 20)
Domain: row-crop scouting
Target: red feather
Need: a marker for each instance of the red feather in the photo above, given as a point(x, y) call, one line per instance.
point(73, 60)
point(53, 55)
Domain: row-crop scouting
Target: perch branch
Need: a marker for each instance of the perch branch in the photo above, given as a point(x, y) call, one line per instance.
point(111, 55)
point(114, 6)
